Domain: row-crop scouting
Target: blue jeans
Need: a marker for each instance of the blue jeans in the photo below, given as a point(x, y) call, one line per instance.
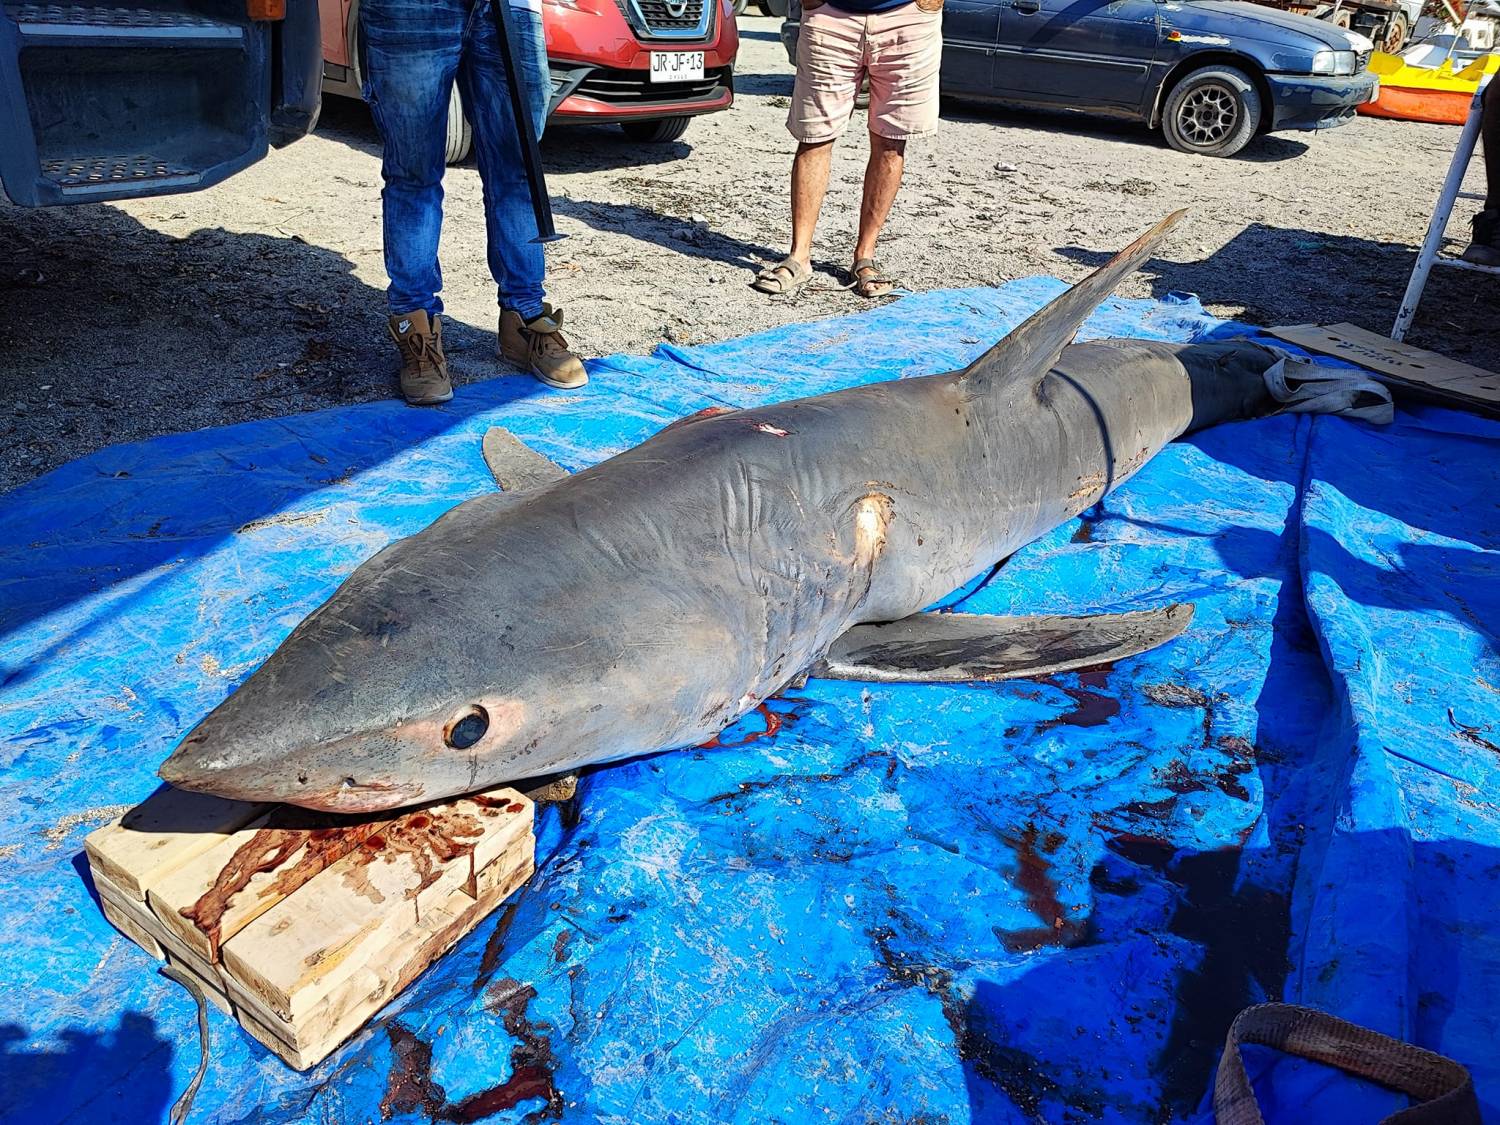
point(414, 50)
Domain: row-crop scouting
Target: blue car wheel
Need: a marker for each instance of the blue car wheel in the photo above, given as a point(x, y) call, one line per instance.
point(1212, 111)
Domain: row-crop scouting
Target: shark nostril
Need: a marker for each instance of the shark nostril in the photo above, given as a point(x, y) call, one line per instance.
point(467, 727)
point(302, 779)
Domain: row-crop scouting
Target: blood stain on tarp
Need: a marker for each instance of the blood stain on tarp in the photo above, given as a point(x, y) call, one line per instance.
point(1177, 778)
point(773, 724)
point(1034, 878)
point(494, 946)
point(1153, 810)
point(1092, 707)
point(410, 1087)
point(531, 1059)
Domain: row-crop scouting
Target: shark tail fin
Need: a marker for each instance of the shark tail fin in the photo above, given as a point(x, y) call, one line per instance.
point(1030, 350)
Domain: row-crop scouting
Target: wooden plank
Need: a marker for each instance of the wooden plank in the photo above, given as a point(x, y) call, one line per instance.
point(300, 950)
point(218, 893)
point(214, 990)
point(318, 1031)
point(160, 834)
point(171, 946)
point(1421, 374)
point(130, 924)
point(409, 959)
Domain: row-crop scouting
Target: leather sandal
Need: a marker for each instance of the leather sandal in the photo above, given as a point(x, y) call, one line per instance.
point(783, 279)
point(870, 280)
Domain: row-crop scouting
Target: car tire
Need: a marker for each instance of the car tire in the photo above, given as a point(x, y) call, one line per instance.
point(655, 132)
point(776, 8)
point(739, 6)
point(460, 133)
point(1212, 111)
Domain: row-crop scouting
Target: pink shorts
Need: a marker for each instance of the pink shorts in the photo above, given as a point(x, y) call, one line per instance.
point(901, 50)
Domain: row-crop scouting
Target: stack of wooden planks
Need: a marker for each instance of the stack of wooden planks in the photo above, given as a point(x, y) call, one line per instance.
point(302, 925)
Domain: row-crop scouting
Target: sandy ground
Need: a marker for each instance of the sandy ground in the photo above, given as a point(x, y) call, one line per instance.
point(264, 296)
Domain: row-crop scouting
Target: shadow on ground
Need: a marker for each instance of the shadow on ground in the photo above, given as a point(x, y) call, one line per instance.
point(125, 1075)
point(135, 306)
point(1266, 149)
point(681, 235)
point(1275, 272)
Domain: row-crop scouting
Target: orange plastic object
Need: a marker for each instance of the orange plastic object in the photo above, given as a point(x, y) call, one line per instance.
point(266, 9)
point(1439, 95)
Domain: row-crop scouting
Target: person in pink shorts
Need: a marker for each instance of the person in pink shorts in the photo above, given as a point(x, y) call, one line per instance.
point(898, 44)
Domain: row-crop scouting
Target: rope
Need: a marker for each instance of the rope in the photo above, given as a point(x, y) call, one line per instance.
point(183, 1104)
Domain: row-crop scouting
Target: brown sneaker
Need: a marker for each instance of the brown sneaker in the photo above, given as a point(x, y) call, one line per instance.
point(539, 347)
point(1485, 249)
point(424, 369)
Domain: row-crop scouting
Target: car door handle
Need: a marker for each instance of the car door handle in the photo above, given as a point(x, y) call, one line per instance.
point(1027, 7)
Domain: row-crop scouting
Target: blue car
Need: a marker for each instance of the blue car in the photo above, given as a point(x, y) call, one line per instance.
point(1211, 74)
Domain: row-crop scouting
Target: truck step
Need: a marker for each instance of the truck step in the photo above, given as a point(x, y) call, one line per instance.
point(67, 25)
point(87, 174)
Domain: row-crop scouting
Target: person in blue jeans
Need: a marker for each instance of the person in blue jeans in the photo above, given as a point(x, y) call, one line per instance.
point(414, 50)
point(1484, 250)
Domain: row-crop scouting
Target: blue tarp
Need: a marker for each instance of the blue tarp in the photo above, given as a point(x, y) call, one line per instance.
point(1026, 901)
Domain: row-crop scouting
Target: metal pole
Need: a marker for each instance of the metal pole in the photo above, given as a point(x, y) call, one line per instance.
point(1440, 216)
point(531, 156)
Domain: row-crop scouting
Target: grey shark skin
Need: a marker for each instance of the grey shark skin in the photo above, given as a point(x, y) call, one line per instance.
point(646, 602)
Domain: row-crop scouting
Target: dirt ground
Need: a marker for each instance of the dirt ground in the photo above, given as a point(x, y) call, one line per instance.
point(264, 296)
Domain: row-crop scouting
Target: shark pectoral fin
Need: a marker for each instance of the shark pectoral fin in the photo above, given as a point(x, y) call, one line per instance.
point(959, 647)
point(514, 465)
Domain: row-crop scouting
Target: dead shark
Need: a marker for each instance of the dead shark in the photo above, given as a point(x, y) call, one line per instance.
point(647, 602)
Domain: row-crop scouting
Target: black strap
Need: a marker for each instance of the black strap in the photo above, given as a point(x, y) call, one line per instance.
point(1442, 1090)
point(185, 1103)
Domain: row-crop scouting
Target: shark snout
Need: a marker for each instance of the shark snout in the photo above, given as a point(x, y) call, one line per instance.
point(195, 767)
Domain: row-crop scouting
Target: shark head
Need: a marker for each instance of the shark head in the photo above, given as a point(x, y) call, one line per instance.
point(412, 682)
point(437, 669)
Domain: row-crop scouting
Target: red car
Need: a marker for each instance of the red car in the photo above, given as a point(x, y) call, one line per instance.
point(646, 65)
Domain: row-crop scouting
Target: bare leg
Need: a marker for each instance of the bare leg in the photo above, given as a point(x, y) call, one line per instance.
point(809, 183)
point(882, 178)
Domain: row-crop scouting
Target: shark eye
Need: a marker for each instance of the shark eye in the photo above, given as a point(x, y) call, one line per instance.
point(467, 728)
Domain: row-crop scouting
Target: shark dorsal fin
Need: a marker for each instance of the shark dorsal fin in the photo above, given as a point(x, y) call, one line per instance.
point(1030, 351)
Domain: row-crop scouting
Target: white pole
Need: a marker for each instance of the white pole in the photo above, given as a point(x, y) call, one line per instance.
point(1439, 224)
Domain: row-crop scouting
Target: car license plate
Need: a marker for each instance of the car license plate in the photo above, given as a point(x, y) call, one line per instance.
point(676, 66)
